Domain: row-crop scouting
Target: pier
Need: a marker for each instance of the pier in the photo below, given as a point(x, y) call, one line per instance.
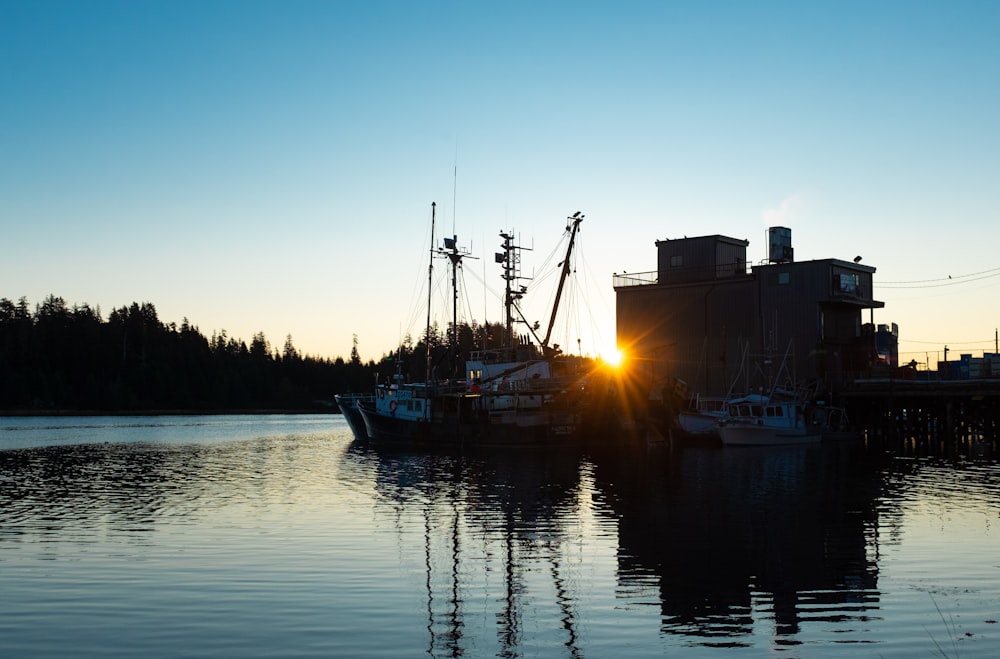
point(925, 409)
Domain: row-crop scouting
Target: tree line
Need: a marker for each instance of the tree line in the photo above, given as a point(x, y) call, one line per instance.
point(58, 357)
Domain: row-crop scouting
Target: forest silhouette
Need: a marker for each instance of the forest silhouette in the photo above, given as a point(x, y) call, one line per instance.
point(61, 358)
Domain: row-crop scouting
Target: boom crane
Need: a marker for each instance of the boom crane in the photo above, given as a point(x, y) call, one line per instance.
point(575, 219)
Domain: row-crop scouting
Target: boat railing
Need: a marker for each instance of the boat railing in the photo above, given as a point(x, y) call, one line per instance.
point(537, 385)
point(520, 353)
point(354, 398)
point(447, 387)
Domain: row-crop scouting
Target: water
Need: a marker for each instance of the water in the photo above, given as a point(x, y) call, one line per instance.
point(259, 536)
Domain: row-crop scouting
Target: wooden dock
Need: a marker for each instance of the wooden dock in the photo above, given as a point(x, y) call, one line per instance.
point(941, 409)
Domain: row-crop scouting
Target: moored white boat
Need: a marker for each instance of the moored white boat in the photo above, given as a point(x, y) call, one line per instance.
point(757, 420)
point(703, 418)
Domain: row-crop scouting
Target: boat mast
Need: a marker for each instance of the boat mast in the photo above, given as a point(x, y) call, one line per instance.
point(509, 272)
point(430, 283)
point(576, 218)
point(511, 261)
point(455, 255)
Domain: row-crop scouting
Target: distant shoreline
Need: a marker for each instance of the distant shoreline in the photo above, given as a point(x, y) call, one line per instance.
point(7, 413)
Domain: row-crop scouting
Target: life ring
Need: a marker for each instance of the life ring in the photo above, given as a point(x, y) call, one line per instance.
point(392, 406)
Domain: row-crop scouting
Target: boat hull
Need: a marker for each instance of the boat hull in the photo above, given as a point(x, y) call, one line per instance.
point(504, 429)
point(348, 404)
point(737, 434)
point(699, 424)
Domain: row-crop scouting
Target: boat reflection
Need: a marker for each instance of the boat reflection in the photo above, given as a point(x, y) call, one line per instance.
point(730, 539)
point(486, 514)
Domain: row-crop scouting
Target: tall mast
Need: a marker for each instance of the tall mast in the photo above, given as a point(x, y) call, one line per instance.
point(510, 258)
point(455, 255)
point(430, 283)
point(577, 218)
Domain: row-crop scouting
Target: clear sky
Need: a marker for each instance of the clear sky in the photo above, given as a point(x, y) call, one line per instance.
point(269, 166)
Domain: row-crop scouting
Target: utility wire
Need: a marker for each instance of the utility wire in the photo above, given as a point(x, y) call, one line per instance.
point(950, 343)
point(942, 281)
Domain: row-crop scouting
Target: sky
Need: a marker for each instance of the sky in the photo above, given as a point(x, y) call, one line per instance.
point(269, 167)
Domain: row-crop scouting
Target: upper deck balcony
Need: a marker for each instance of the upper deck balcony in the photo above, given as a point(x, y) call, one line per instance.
point(635, 279)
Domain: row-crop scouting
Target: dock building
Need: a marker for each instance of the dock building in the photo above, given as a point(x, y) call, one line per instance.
point(710, 319)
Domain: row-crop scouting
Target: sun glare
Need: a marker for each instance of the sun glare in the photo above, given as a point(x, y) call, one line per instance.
point(613, 358)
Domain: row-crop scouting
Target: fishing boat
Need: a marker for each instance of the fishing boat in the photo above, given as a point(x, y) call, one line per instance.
point(780, 414)
point(767, 420)
point(521, 394)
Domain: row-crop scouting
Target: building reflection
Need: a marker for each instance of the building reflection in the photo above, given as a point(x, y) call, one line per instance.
point(737, 535)
point(508, 541)
point(732, 539)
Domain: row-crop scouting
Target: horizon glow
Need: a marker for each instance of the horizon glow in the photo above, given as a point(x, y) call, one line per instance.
point(253, 168)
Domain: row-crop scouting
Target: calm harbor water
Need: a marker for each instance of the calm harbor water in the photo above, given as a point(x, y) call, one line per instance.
point(280, 536)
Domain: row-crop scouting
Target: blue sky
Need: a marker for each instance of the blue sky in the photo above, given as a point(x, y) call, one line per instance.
point(266, 166)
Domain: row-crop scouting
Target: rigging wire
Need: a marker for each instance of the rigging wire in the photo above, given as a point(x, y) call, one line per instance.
point(588, 282)
point(417, 308)
point(569, 325)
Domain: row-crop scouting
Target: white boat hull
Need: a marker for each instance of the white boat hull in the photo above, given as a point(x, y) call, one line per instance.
point(697, 423)
point(738, 434)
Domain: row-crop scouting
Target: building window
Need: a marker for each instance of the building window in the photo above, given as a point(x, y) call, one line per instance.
point(848, 283)
point(783, 278)
point(677, 260)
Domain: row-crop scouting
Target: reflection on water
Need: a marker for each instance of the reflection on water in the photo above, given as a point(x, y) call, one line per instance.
point(734, 536)
point(281, 536)
point(114, 474)
point(501, 543)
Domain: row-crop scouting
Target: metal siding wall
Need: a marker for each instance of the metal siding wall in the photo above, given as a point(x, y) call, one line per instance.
point(668, 329)
point(790, 312)
point(716, 318)
point(704, 258)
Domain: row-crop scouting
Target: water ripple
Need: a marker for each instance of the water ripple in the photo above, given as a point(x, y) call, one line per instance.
point(276, 536)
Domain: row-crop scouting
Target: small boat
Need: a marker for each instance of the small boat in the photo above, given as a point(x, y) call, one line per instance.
point(831, 421)
point(702, 419)
point(758, 420)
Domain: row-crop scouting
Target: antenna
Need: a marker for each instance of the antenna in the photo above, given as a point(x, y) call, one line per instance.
point(454, 189)
point(510, 259)
point(455, 254)
point(486, 311)
point(430, 281)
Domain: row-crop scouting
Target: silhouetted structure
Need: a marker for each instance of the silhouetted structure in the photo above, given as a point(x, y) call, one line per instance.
point(706, 319)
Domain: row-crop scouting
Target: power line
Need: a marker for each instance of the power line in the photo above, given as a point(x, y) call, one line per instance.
point(942, 281)
point(950, 343)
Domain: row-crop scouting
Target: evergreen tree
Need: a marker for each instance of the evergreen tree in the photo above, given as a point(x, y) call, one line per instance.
point(69, 358)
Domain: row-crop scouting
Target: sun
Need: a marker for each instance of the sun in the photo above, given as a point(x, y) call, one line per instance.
point(613, 358)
